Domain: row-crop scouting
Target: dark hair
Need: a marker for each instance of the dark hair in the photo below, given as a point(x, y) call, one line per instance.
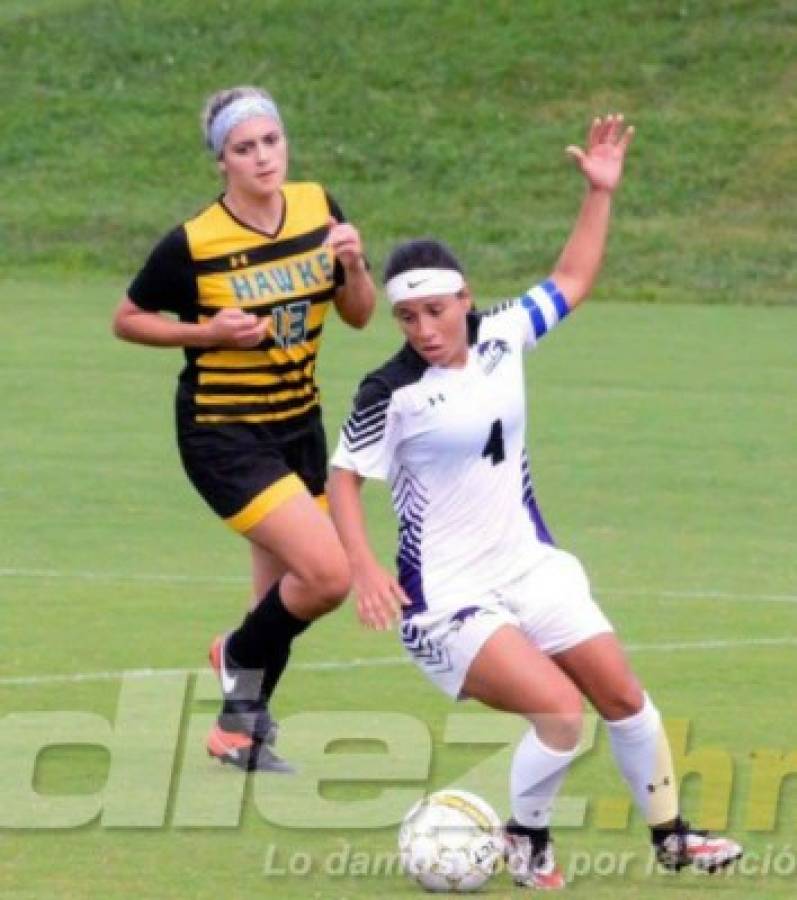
point(420, 253)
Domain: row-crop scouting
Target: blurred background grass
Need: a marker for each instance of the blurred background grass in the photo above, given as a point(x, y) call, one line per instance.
point(445, 118)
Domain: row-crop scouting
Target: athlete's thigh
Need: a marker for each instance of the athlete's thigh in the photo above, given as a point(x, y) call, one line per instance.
point(600, 669)
point(509, 673)
point(266, 571)
point(245, 472)
point(299, 537)
point(554, 604)
point(307, 457)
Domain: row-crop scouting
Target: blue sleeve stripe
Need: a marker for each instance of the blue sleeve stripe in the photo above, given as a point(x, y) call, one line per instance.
point(537, 318)
point(558, 298)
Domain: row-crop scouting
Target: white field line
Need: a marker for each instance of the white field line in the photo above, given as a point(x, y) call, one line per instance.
point(379, 661)
point(331, 665)
point(176, 578)
point(121, 576)
point(725, 596)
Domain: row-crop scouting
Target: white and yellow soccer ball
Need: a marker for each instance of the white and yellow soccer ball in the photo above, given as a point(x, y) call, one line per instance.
point(451, 841)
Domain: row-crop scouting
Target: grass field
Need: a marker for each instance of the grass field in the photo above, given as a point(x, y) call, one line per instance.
point(663, 434)
point(448, 118)
point(663, 443)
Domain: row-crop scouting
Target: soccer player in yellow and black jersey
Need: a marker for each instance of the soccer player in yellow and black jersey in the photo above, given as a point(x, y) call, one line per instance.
point(250, 280)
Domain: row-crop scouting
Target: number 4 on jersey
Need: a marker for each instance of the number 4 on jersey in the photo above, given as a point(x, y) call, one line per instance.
point(494, 448)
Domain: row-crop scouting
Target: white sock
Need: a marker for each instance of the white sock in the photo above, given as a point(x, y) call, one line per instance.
point(536, 774)
point(642, 752)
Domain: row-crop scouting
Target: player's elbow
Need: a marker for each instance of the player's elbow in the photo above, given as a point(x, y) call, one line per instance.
point(358, 317)
point(355, 309)
point(359, 322)
point(120, 327)
point(122, 324)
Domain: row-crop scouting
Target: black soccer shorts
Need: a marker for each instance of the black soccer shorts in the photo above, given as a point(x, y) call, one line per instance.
point(244, 471)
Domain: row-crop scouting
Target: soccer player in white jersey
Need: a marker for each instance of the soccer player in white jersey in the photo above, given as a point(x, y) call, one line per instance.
point(490, 608)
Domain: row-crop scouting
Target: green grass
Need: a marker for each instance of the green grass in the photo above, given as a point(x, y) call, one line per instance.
point(662, 438)
point(662, 442)
point(447, 118)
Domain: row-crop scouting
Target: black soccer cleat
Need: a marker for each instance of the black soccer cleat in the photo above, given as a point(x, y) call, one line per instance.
point(684, 846)
point(245, 753)
point(245, 732)
point(529, 857)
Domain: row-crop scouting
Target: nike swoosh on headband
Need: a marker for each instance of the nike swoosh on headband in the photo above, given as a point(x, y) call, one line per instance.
point(423, 282)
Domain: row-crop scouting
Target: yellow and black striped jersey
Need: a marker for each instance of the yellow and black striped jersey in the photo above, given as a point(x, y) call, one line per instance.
point(214, 261)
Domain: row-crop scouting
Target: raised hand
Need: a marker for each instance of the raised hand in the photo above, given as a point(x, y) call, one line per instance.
point(602, 161)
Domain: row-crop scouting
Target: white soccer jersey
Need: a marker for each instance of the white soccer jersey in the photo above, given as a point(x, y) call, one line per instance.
point(450, 441)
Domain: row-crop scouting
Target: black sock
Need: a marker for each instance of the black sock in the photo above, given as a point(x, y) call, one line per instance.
point(263, 640)
point(659, 832)
point(539, 837)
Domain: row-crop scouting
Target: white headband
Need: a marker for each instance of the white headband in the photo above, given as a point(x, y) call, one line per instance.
point(423, 283)
point(236, 112)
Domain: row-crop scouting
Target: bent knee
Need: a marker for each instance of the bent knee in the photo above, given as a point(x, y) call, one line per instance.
point(562, 726)
point(327, 581)
point(559, 732)
point(336, 588)
point(623, 702)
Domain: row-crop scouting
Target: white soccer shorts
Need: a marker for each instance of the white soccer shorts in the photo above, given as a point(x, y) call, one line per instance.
point(551, 604)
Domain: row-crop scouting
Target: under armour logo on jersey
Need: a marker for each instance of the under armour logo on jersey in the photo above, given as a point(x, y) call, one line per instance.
point(491, 353)
point(439, 397)
point(239, 261)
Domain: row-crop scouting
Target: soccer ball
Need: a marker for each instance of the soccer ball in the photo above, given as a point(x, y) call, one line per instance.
point(451, 841)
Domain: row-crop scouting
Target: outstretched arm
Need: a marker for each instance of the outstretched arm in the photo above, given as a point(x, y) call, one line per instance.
point(602, 165)
point(378, 595)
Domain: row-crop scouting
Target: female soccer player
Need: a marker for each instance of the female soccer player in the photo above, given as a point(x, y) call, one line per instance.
point(250, 279)
point(491, 609)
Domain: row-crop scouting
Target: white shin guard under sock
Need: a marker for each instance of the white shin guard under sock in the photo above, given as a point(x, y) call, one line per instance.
point(534, 780)
point(642, 752)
